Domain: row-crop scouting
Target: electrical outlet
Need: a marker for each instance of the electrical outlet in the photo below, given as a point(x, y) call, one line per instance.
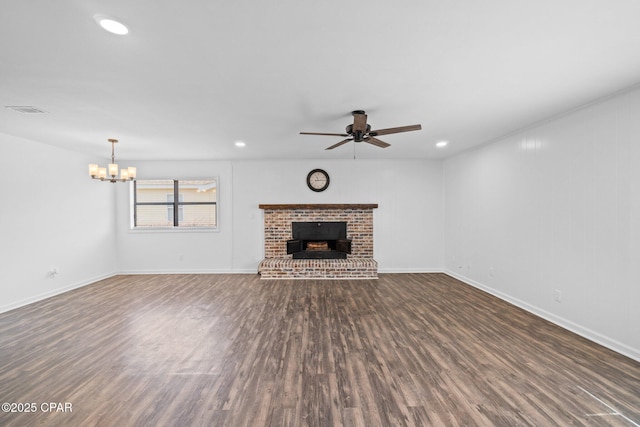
point(557, 295)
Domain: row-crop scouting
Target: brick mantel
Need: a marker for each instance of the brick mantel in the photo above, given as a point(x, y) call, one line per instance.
point(321, 206)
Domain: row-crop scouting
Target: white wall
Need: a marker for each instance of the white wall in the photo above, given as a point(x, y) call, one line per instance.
point(53, 216)
point(556, 209)
point(408, 227)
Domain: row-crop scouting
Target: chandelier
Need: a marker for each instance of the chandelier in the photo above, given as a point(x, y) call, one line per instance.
point(96, 172)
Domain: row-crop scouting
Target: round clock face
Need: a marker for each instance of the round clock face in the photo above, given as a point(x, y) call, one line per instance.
point(318, 180)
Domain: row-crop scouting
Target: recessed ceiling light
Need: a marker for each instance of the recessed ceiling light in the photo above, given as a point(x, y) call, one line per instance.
point(441, 144)
point(240, 144)
point(111, 25)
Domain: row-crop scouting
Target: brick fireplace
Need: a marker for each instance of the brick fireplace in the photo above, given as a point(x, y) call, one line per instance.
point(278, 220)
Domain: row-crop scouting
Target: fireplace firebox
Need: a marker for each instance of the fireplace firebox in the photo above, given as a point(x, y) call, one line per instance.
point(319, 240)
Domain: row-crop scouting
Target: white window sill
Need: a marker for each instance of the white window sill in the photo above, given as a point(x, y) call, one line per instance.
point(174, 230)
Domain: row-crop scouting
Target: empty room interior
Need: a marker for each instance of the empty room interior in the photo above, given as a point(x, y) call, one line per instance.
point(355, 213)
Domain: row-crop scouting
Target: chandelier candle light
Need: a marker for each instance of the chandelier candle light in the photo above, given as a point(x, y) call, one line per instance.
point(96, 172)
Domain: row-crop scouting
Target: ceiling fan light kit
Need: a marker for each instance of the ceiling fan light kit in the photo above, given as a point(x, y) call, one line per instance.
point(360, 131)
point(97, 172)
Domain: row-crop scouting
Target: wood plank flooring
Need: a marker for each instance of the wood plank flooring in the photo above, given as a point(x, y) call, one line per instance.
point(232, 350)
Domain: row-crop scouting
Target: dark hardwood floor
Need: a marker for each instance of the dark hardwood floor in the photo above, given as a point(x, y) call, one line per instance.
point(232, 350)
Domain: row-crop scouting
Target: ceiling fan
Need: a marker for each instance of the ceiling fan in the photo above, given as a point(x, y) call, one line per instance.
point(360, 131)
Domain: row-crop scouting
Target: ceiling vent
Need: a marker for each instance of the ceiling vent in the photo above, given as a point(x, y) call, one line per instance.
point(28, 109)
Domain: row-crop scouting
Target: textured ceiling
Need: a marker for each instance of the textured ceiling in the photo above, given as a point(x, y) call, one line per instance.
point(191, 78)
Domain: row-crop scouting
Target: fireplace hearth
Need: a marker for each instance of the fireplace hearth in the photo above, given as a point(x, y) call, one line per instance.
point(319, 240)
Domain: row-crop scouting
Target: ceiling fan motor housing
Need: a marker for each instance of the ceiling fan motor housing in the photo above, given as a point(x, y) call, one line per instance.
point(357, 135)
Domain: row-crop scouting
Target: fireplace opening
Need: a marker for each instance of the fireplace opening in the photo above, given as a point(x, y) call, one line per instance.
point(319, 240)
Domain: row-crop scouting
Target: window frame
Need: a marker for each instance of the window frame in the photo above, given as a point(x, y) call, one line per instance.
point(176, 207)
point(171, 212)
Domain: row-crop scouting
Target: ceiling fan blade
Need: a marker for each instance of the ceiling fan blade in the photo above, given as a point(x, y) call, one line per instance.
point(359, 122)
point(321, 133)
point(339, 144)
point(376, 142)
point(395, 130)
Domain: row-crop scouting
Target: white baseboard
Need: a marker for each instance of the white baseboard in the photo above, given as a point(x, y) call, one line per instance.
point(53, 292)
point(141, 272)
point(587, 333)
point(409, 270)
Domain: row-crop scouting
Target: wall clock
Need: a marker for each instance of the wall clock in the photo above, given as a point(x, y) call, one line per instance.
point(318, 180)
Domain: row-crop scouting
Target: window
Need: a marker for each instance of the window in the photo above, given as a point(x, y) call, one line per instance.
point(175, 203)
